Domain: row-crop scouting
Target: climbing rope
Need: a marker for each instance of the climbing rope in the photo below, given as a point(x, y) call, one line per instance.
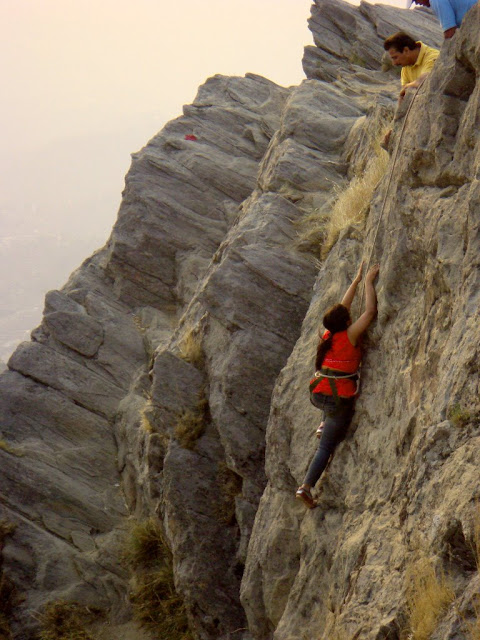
point(386, 193)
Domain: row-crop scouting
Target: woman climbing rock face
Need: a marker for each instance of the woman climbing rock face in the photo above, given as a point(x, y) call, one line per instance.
point(334, 386)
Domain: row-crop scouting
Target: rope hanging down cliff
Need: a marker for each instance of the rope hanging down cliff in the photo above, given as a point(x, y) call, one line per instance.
point(394, 160)
point(338, 360)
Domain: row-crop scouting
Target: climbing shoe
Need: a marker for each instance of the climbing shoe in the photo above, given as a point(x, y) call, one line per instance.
point(305, 496)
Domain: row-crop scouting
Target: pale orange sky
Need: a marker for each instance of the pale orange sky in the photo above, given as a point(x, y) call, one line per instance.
point(84, 84)
point(75, 66)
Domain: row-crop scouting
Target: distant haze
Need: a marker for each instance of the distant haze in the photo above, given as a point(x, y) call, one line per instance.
point(84, 84)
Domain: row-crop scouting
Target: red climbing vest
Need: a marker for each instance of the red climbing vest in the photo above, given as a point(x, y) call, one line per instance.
point(341, 359)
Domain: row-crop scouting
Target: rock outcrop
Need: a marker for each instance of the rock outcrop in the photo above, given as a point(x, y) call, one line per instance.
point(68, 471)
point(404, 484)
point(168, 377)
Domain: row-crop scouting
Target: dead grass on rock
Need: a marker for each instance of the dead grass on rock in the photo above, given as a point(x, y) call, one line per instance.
point(322, 227)
point(66, 621)
point(156, 604)
point(458, 416)
point(191, 424)
point(229, 485)
point(352, 203)
point(147, 418)
point(6, 529)
point(191, 349)
point(11, 450)
point(429, 594)
point(158, 607)
point(144, 545)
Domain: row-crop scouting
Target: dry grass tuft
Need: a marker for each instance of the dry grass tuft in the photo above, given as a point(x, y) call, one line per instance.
point(428, 598)
point(458, 416)
point(146, 418)
point(158, 607)
point(6, 529)
point(229, 486)
point(156, 604)
point(137, 321)
point(320, 229)
point(144, 545)
point(189, 428)
point(339, 634)
point(312, 230)
point(66, 621)
point(353, 202)
point(192, 424)
point(191, 349)
point(8, 449)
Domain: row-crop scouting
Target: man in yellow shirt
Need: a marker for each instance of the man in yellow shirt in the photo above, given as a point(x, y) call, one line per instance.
point(415, 58)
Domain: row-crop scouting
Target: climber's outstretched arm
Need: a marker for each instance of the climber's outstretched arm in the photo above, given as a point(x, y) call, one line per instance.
point(350, 292)
point(355, 330)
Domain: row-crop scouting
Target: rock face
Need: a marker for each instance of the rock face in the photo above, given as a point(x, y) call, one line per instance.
point(404, 483)
point(168, 377)
point(68, 465)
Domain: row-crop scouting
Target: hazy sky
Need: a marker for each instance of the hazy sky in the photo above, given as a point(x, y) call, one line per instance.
point(87, 82)
point(77, 66)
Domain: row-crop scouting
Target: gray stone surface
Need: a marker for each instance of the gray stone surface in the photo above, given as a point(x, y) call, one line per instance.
point(181, 195)
point(80, 333)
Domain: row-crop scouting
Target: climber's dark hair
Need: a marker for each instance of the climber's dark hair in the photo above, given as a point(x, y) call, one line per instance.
point(336, 319)
point(399, 41)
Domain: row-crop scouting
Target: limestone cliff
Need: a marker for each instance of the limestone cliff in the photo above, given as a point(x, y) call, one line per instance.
point(147, 390)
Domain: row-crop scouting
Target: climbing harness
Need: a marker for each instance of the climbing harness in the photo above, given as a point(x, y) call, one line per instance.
point(331, 375)
point(386, 192)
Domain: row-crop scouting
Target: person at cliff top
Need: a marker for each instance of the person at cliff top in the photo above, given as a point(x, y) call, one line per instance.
point(415, 58)
point(334, 387)
point(449, 12)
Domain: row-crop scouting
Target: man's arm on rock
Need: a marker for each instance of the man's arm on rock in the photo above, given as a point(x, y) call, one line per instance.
point(412, 85)
point(449, 33)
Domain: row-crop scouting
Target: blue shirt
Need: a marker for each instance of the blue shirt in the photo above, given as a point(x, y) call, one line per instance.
point(451, 12)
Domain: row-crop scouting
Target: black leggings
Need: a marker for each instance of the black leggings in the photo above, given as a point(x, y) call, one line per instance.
point(337, 418)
